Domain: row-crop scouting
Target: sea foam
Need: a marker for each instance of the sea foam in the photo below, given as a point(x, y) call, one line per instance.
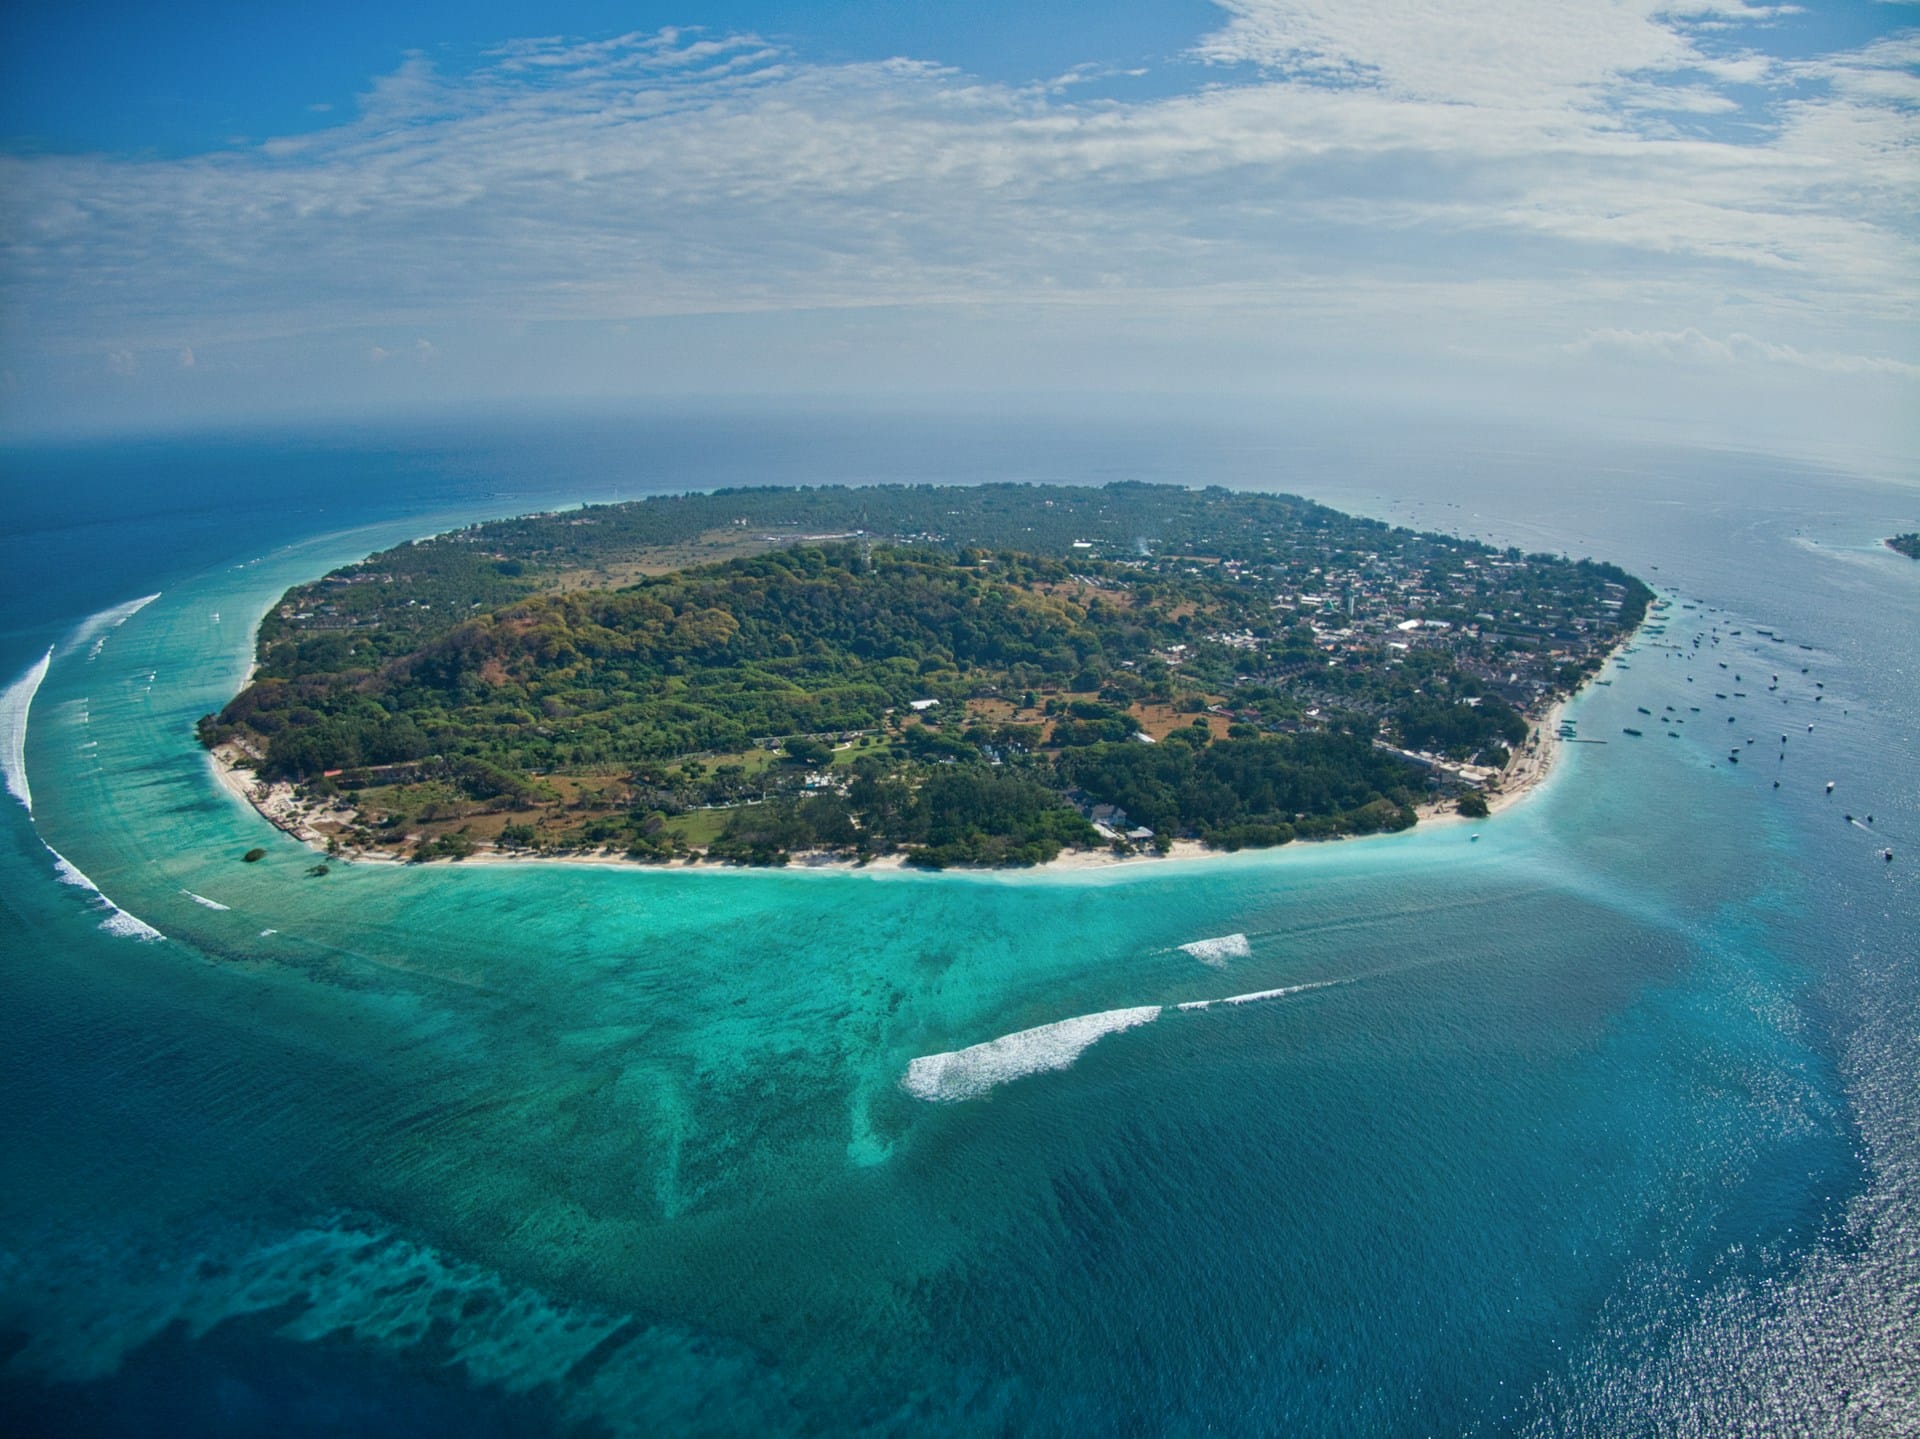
point(1217, 952)
point(1258, 995)
point(15, 702)
point(971, 1072)
point(118, 921)
point(98, 627)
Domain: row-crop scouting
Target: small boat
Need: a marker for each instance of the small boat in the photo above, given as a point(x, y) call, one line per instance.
point(1634, 732)
point(1829, 786)
point(1643, 709)
point(1474, 837)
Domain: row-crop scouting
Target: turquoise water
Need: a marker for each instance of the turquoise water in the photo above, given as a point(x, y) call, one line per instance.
point(1602, 1123)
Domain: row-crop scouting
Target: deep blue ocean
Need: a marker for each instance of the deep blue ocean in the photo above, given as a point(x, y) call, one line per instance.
point(1605, 1123)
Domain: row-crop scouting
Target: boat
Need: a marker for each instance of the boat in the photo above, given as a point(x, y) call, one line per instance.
point(1634, 732)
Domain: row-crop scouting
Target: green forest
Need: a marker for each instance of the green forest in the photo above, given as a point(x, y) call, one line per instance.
point(919, 691)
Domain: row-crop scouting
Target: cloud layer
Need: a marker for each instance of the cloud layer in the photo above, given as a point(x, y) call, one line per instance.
point(1343, 181)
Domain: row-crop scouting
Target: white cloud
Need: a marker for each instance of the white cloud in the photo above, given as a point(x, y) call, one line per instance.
point(186, 359)
point(1691, 346)
point(1481, 176)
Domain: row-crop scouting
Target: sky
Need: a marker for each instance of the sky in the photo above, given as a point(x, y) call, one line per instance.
point(1672, 218)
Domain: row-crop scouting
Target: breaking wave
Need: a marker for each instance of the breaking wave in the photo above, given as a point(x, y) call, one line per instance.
point(1261, 994)
point(1217, 952)
point(97, 627)
point(202, 899)
point(15, 701)
point(968, 1073)
point(971, 1072)
point(118, 921)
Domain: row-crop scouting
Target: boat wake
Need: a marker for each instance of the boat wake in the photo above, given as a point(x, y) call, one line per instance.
point(1217, 952)
point(15, 701)
point(971, 1072)
point(97, 628)
point(117, 921)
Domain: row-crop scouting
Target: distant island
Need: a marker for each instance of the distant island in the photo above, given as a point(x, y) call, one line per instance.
point(980, 675)
point(1908, 545)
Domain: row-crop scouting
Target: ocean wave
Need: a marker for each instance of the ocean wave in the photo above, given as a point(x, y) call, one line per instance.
point(15, 703)
point(97, 627)
point(968, 1073)
point(202, 899)
point(1256, 996)
point(128, 926)
point(1217, 952)
point(118, 921)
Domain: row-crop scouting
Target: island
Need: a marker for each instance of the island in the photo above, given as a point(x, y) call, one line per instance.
point(982, 675)
point(1908, 545)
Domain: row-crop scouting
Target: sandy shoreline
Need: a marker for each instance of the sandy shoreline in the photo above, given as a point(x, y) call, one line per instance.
point(281, 807)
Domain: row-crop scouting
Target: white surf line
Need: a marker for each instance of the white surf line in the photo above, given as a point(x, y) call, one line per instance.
point(202, 899)
point(1263, 994)
point(98, 627)
point(118, 921)
point(970, 1072)
point(16, 702)
point(1216, 952)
